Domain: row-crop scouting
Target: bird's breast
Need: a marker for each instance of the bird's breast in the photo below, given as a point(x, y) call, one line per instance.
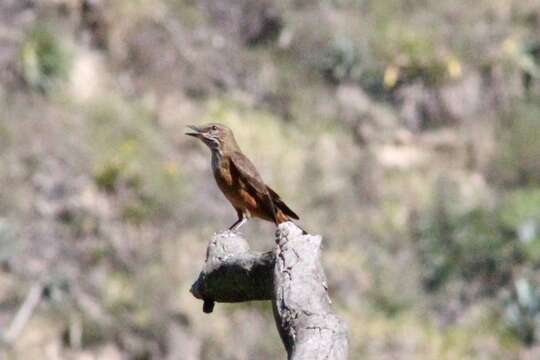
point(222, 173)
point(233, 189)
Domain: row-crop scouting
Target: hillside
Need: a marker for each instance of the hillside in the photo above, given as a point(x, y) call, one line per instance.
point(406, 133)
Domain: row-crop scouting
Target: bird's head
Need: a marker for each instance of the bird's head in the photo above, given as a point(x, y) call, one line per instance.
point(216, 136)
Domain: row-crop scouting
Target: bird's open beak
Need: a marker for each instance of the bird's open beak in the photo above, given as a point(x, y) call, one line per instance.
point(196, 131)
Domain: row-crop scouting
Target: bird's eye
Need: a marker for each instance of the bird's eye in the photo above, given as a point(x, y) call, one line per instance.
point(214, 127)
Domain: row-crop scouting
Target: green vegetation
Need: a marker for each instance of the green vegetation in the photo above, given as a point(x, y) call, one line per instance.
point(522, 313)
point(470, 245)
point(517, 161)
point(129, 159)
point(45, 60)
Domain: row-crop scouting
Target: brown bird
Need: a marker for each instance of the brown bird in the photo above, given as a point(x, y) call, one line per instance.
point(239, 180)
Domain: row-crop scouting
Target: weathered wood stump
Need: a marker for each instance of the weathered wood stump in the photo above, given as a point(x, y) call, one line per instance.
point(291, 277)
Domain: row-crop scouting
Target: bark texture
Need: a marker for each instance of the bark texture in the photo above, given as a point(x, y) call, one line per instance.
point(291, 277)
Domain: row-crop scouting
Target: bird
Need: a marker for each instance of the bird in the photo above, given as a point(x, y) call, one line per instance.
point(239, 180)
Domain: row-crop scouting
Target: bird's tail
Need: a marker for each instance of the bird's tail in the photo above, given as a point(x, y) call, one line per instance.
point(280, 205)
point(281, 211)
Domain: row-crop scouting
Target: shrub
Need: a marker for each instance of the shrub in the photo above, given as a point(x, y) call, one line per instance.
point(44, 59)
point(519, 214)
point(517, 161)
point(466, 245)
point(522, 311)
point(131, 160)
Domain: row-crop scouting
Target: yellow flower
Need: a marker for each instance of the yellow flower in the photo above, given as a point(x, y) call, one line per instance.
point(391, 76)
point(510, 46)
point(128, 146)
point(454, 68)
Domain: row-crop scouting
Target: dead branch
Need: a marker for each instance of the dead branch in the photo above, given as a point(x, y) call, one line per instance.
point(291, 277)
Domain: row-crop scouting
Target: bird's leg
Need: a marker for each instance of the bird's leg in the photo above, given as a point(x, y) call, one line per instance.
point(237, 224)
point(241, 220)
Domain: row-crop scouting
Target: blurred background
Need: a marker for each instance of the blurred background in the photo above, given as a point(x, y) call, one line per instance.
point(406, 133)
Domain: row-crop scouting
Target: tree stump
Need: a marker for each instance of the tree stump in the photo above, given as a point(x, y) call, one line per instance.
point(291, 277)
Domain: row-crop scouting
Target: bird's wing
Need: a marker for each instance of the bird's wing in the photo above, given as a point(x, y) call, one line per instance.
point(247, 172)
point(248, 175)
